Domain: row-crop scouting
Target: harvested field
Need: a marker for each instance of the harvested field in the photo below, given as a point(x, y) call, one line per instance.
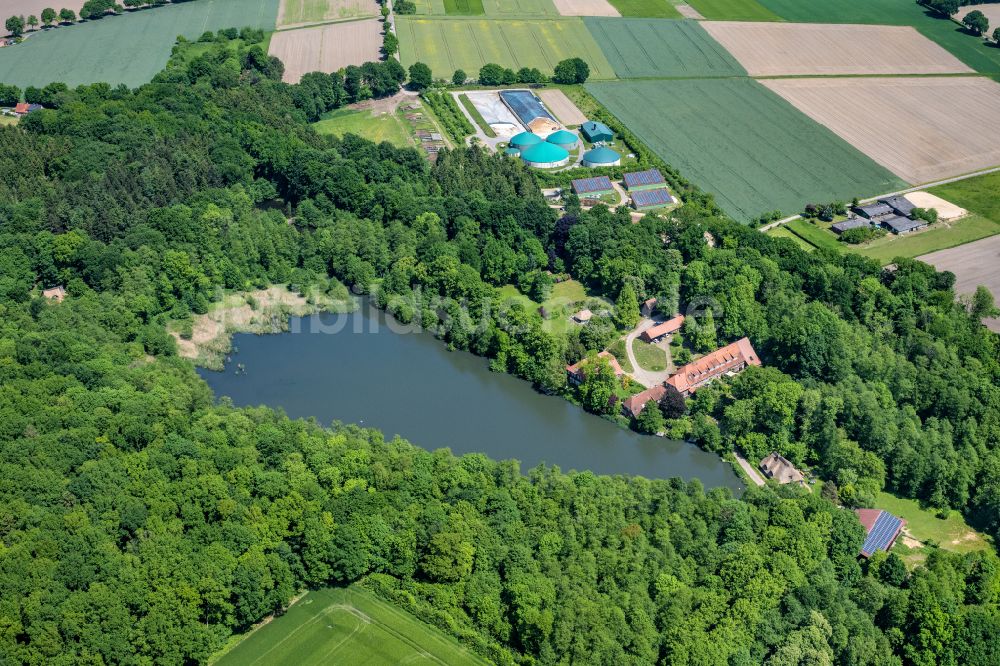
point(562, 107)
point(128, 49)
point(782, 49)
point(687, 11)
point(646, 48)
point(327, 48)
point(946, 210)
point(921, 129)
point(585, 8)
point(744, 144)
point(973, 264)
point(293, 13)
point(973, 52)
point(991, 10)
point(454, 43)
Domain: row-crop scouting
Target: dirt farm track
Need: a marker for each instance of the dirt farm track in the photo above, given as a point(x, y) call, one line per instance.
point(973, 264)
point(780, 49)
point(327, 48)
point(921, 129)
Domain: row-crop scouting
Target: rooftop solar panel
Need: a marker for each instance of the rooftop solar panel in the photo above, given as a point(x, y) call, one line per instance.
point(640, 178)
point(658, 197)
point(882, 533)
point(596, 184)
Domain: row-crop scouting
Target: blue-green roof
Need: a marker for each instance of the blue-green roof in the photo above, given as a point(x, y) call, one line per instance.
point(525, 139)
point(512, 151)
point(543, 153)
point(562, 138)
point(601, 155)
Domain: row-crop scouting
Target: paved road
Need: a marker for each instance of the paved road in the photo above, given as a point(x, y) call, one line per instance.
point(748, 468)
point(983, 172)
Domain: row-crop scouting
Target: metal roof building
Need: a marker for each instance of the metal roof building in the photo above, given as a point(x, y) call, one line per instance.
point(853, 223)
point(899, 205)
point(601, 156)
point(644, 180)
point(871, 211)
point(545, 156)
point(592, 186)
point(646, 199)
point(902, 225)
point(595, 132)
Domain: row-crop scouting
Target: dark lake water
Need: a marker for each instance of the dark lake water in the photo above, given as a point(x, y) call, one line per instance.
point(410, 384)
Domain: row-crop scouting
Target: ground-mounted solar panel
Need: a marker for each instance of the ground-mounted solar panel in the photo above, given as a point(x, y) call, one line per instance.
point(644, 178)
point(596, 184)
point(657, 197)
point(882, 533)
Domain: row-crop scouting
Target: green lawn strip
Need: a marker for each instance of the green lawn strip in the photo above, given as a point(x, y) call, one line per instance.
point(384, 127)
point(733, 10)
point(449, 43)
point(128, 49)
point(464, 7)
point(649, 48)
point(813, 235)
point(566, 298)
point(739, 141)
point(649, 357)
point(939, 237)
point(646, 9)
point(478, 117)
point(781, 232)
point(976, 195)
point(339, 624)
point(951, 533)
point(617, 349)
point(971, 50)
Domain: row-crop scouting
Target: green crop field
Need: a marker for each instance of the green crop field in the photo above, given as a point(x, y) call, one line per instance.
point(455, 43)
point(513, 9)
point(127, 49)
point(464, 7)
point(648, 48)
point(645, 8)
point(744, 144)
point(344, 626)
point(971, 50)
point(733, 10)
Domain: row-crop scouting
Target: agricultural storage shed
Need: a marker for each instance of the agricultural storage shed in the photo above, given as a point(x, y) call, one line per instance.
point(853, 223)
point(902, 225)
point(526, 106)
point(593, 186)
point(600, 157)
point(649, 199)
point(596, 132)
point(650, 179)
point(545, 156)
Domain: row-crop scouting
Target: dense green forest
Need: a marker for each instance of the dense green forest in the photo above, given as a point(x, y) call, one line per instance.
point(142, 523)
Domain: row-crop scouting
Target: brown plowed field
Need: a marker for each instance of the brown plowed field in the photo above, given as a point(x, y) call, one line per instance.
point(784, 49)
point(327, 48)
point(562, 107)
point(585, 8)
point(921, 129)
point(973, 264)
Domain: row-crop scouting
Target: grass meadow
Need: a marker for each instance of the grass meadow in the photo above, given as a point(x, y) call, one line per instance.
point(646, 48)
point(978, 195)
point(454, 43)
point(971, 50)
point(128, 49)
point(748, 147)
point(351, 625)
point(782, 232)
point(378, 128)
point(951, 533)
